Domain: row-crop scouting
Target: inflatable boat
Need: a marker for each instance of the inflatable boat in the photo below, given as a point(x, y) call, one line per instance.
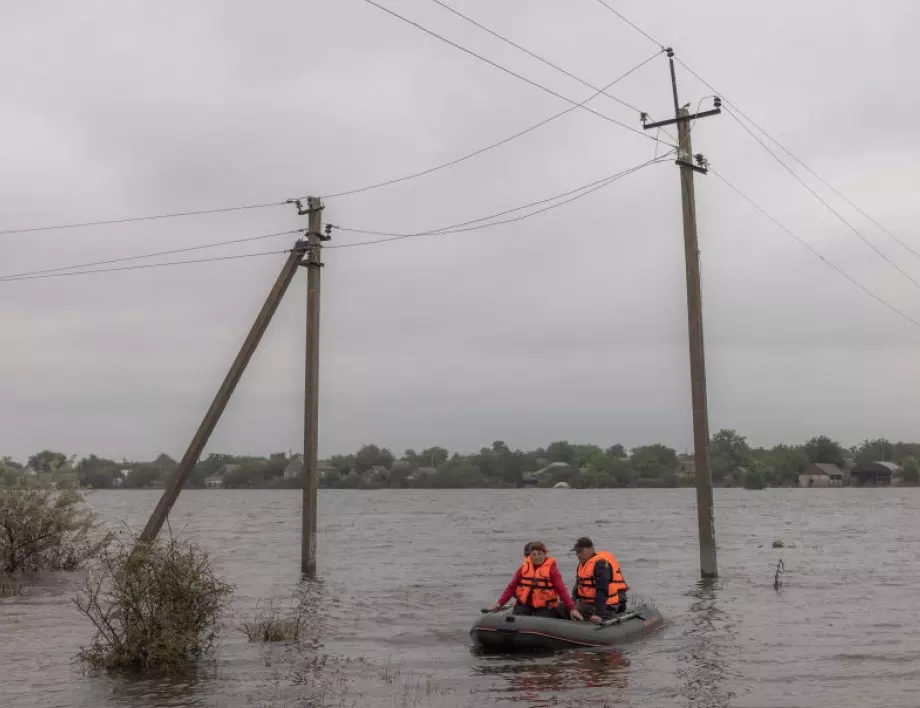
point(505, 632)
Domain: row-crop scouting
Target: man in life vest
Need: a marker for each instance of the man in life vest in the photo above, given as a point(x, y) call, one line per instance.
point(600, 590)
point(538, 586)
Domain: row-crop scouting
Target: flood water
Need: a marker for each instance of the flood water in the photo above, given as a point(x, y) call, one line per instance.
point(404, 573)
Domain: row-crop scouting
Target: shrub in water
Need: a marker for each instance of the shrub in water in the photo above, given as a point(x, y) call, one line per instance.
point(44, 530)
point(274, 626)
point(156, 610)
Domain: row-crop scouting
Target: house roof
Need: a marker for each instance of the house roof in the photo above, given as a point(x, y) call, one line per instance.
point(216, 477)
point(828, 468)
point(874, 467)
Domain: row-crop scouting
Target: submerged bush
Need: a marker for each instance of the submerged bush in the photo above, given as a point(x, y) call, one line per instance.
point(274, 625)
point(42, 530)
point(157, 610)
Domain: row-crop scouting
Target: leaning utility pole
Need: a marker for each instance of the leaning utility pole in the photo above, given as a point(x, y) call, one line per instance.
point(314, 264)
point(685, 157)
point(182, 473)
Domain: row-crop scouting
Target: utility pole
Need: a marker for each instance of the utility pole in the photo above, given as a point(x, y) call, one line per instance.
point(182, 473)
point(314, 264)
point(685, 158)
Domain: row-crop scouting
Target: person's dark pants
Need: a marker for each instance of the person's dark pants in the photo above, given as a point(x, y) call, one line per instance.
point(527, 610)
point(587, 609)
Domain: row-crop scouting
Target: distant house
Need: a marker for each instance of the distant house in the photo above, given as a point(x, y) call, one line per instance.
point(377, 473)
point(822, 474)
point(118, 479)
point(876, 474)
point(215, 481)
point(294, 468)
point(421, 473)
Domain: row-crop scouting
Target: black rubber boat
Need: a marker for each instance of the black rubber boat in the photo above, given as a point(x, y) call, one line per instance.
point(505, 632)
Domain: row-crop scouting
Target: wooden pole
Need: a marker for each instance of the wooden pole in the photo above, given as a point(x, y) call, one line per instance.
point(171, 493)
point(311, 389)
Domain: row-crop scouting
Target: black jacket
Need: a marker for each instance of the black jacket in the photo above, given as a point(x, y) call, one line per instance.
point(603, 576)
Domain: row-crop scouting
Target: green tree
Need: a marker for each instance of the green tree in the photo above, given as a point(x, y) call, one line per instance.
point(873, 451)
point(728, 452)
point(785, 463)
point(753, 477)
point(911, 468)
point(47, 461)
point(561, 451)
point(584, 453)
point(617, 452)
point(141, 477)
point(434, 456)
point(823, 449)
point(10, 476)
point(371, 455)
point(654, 465)
point(97, 472)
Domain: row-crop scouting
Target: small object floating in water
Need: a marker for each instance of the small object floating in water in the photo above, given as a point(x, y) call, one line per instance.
point(778, 544)
point(505, 632)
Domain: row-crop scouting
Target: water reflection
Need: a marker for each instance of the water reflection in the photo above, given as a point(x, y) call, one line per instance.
point(707, 642)
point(546, 681)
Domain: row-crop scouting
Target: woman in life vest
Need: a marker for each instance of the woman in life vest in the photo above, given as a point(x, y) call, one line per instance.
point(600, 590)
point(538, 586)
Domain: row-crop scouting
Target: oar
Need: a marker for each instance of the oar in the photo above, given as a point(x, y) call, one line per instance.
point(619, 618)
point(487, 610)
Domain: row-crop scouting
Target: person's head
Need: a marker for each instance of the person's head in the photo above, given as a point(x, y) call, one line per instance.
point(584, 549)
point(537, 552)
point(527, 548)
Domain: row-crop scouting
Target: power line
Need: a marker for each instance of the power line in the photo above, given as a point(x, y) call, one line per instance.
point(480, 151)
point(465, 226)
point(456, 228)
point(786, 150)
point(81, 224)
point(807, 245)
point(823, 201)
point(509, 71)
point(799, 161)
point(91, 264)
point(632, 24)
point(145, 266)
point(534, 55)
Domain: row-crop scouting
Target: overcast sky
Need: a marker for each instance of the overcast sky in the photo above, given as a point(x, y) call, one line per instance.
point(569, 325)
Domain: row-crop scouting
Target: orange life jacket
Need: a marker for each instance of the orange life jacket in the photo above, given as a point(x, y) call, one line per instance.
point(535, 587)
point(584, 588)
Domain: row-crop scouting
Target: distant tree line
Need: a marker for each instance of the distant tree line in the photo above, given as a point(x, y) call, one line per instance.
point(733, 461)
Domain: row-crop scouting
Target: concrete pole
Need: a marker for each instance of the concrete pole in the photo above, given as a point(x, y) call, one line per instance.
point(706, 521)
point(311, 389)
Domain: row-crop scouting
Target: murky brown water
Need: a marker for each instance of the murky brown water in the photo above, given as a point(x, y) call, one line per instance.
point(404, 573)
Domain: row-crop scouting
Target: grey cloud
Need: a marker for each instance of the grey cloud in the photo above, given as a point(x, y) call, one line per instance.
point(570, 324)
